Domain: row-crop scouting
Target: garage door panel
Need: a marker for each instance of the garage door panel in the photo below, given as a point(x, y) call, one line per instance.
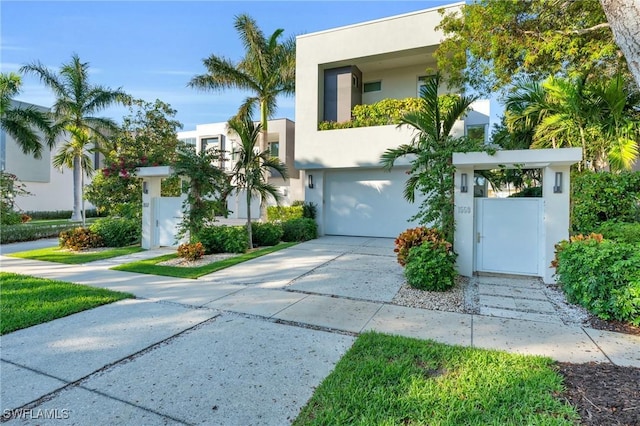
point(367, 203)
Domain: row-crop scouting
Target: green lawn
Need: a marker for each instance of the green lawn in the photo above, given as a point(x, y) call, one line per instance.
point(28, 301)
point(390, 380)
point(150, 266)
point(55, 254)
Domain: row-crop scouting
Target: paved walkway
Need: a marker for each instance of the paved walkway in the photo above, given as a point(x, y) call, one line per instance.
point(247, 345)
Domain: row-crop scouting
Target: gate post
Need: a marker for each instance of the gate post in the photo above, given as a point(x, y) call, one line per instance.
point(151, 184)
point(463, 241)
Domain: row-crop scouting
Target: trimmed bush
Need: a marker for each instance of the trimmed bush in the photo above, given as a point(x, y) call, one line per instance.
point(301, 229)
point(59, 214)
point(283, 213)
point(10, 217)
point(224, 239)
point(191, 251)
point(431, 266)
point(80, 239)
point(601, 275)
point(602, 197)
point(15, 233)
point(621, 232)
point(266, 234)
point(309, 210)
point(414, 237)
point(118, 231)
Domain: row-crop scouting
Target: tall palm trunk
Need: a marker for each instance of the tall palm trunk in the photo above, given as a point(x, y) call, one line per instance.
point(264, 143)
point(249, 219)
point(77, 187)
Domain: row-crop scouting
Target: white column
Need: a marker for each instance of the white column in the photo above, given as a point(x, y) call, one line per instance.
point(463, 241)
point(556, 215)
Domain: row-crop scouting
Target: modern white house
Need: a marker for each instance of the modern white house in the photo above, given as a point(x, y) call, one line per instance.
point(361, 64)
point(51, 188)
point(281, 143)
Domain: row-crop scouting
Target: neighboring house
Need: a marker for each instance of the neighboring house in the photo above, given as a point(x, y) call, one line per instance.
point(281, 141)
point(51, 188)
point(363, 63)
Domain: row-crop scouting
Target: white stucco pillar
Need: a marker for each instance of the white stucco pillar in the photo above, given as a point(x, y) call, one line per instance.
point(315, 195)
point(151, 185)
point(556, 213)
point(463, 241)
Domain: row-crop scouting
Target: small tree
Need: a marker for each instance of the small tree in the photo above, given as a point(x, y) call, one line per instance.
point(207, 188)
point(251, 170)
point(432, 148)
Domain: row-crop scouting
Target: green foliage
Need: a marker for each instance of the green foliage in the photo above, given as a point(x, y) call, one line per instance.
point(382, 113)
point(266, 234)
point(601, 275)
point(191, 251)
point(431, 266)
point(21, 232)
point(208, 186)
point(532, 38)
point(284, 213)
point(531, 192)
point(310, 210)
point(601, 197)
point(9, 217)
point(430, 154)
point(300, 229)
point(620, 231)
point(79, 239)
point(118, 231)
point(414, 237)
point(147, 137)
point(58, 214)
point(223, 239)
point(10, 188)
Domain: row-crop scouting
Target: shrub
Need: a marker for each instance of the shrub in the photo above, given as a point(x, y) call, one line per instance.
point(80, 239)
point(309, 210)
point(283, 213)
point(9, 217)
point(301, 229)
point(118, 231)
point(191, 251)
point(414, 237)
point(224, 239)
point(431, 266)
point(20, 232)
point(24, 218)
point(58, 214)
point(621, 232)
point(601, 197)
point(530, 192)
point(601, 275)
point(266, 234)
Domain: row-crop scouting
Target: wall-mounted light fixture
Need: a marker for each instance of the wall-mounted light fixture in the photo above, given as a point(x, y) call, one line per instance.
point(557, 185)
point(463, 183)
point(310, 180)
point(145, 188)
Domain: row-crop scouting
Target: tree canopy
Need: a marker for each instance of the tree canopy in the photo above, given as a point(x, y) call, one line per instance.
point(491, 44)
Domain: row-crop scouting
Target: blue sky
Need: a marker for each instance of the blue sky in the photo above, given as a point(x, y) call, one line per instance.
point(151, 49)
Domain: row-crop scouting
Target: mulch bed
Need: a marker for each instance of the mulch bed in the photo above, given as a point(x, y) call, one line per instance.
point(604, 394)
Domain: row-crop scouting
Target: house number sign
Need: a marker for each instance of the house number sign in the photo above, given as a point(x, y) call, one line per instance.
point(464, 210)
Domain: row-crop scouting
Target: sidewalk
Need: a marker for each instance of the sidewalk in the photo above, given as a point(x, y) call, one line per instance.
point(248, 344)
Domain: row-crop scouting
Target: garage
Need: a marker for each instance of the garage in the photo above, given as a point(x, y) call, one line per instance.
point(367, 202)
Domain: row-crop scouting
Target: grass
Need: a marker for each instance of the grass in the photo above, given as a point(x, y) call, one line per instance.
point(391, 380)
point(150, 266)
point(55, 254)
point(28, 301)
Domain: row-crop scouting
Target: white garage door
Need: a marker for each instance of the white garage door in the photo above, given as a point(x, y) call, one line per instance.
point(367, 203)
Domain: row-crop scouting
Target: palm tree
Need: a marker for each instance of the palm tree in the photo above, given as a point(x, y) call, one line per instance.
point(431, 149)
point(73, 113)
point(251, 170)
point(267, 70)
point(23, 124)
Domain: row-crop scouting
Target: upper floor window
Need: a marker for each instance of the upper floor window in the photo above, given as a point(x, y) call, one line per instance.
point(476, 132)
point(373, 86)
point(422, 80)
point(274, 149)
point(189, 141)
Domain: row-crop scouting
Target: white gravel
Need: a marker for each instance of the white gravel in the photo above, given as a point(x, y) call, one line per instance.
point(452, 300)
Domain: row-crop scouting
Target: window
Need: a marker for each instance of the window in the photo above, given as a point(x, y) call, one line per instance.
point(422, 80)
point(189, 141)
point(210, 143)
point(476, 132)
point(274, 149)
point(374, 86)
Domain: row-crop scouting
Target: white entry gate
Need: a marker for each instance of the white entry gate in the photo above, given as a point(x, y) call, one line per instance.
point(168, 212)
point(509, 235)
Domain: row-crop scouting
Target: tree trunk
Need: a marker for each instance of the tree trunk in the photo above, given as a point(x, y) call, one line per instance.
point(249, 233)
point(77, 187)
point(624, 19)
point(264, 143)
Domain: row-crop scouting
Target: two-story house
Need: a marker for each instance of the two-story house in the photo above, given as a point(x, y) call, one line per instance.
point(361, 64)
point(281, 144)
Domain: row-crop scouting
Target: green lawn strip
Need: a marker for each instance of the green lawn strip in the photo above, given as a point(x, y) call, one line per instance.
point(28, 301)
point(150, 266)
point(391, 380)
point(56, 254)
